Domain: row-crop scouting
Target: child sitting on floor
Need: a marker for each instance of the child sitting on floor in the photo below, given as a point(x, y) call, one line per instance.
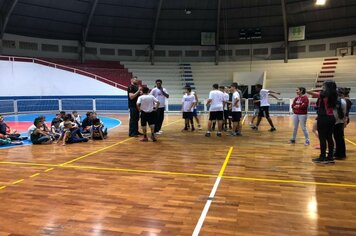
point(97, 130)
point(71, 134)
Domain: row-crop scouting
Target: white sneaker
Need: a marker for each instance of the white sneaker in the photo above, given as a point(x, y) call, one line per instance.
point(159, 132)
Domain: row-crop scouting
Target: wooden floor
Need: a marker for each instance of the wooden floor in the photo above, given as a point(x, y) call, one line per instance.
point(121, 186)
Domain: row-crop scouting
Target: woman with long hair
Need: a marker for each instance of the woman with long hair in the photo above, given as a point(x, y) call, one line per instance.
point(300, 109)
point(326, 104)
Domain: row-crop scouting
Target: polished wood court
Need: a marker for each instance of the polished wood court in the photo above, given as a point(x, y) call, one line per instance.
point(121, 186)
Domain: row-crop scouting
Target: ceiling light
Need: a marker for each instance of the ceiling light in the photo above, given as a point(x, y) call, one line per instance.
point(320, 2)
point(188, 11)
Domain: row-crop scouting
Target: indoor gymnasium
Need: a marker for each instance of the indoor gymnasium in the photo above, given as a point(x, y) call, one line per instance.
point(174, 118)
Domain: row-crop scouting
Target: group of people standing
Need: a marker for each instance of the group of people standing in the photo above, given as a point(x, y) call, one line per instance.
point(151, 104)
point(332, 107)
point(224, 104)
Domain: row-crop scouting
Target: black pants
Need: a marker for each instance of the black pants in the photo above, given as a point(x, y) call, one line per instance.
point(159, 119)
point(340, 148)
point(133, 125)
point(325, 125)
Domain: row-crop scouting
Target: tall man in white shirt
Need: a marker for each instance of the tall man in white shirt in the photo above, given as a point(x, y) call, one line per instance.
point(264, 107)
point(161, 94)
point(147, 104)
point(216, 111)
point(235, 110)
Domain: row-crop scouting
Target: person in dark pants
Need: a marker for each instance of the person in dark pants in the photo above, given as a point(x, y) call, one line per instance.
point(326, 104)
point(161, 94)
point(339, 137)
point(133, 92)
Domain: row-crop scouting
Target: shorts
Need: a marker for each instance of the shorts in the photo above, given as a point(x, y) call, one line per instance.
point(195, 113)
point(236, 116)
point(226, 114)
point(187, 115)
point(148, 117)
point(264, 112)
point(216, 115)
point(256, 111)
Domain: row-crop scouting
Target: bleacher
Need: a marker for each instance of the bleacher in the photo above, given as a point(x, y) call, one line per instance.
point(111, 70)
point(345, 75)
point(281, 77)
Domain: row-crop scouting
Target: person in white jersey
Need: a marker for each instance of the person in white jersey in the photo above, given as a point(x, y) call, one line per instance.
point(235, 110)
point(188, 104)
point(216, 111)
point(264, 107)
point(147, 104)
point(226, 108)
point(161, 94)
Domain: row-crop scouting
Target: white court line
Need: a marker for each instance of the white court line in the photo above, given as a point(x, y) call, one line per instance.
point(206, 208)
point(211, 196)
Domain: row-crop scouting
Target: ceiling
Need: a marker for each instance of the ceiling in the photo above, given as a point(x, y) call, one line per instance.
point(133, 21)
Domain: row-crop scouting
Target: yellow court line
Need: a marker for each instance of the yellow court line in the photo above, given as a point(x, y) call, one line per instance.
point(48, 170)
point(28, 164)
point(198, 175)
point(105, 148)
point(290, 181)
point(222, 170)
point(94, 152)
point(350, 142)
point(138, 171)
point(2, 187)
point(34, 175)
point(18, 181)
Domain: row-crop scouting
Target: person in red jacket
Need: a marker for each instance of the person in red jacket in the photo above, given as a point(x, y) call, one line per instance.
point(300, 109)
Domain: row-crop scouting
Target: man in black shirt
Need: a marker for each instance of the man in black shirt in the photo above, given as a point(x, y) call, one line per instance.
point(133, 92)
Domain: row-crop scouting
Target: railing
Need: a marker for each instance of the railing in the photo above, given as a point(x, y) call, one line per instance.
point(62, 67)
point(9, 106)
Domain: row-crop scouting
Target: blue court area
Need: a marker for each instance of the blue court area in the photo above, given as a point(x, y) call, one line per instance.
point(23, 121)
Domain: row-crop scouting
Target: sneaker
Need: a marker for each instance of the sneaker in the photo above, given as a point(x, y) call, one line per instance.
point(339, 157)
point(153, 138)
point(218, 134)
point(272, 129)
point(207, 134)
point(307, 143)
point(292, 141)
point(159, 132)
point(254, 128)
point(193, 129)
point(330, 160)
point(321, 160)
point(185, 129)
point(199, 127)
point(145, 139)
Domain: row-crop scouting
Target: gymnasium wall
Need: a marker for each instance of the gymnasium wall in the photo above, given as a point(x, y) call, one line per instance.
point(28, 79)
point(38, 47)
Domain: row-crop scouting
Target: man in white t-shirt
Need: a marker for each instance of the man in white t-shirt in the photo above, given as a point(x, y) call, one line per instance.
point(264, 107)
point(216, 111)
point(147, 104)
point(188, 104)
point(235, 110)
point(161, 94)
